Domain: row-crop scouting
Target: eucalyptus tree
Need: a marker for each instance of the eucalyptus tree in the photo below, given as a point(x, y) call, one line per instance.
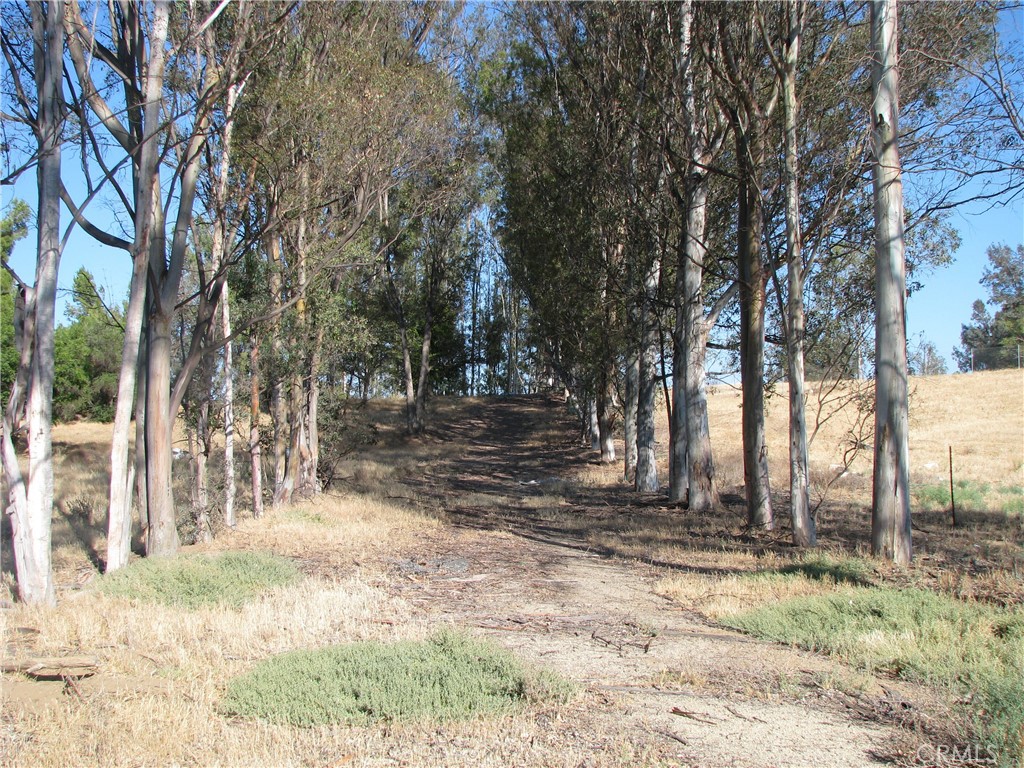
point(561, 241)
point(172, 65)
point(750, 100)
point(692, 150)
point(426, 229)
point(890, 518)
point(40, 106)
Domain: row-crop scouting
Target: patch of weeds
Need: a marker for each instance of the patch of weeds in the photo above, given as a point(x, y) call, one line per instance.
point(1014, 506)
point(976, 651)
point(448, 677)
point(844, 570)
point(933, 496)
point(230, 579)
point(973, 496)
point(305, 515)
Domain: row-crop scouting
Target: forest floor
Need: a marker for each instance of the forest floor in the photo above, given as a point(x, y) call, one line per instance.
point(497, 522)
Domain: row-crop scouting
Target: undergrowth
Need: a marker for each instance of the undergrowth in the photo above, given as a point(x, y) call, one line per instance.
point(971, 496)
point(230, 579)
point(975, 651)
point(448, 677)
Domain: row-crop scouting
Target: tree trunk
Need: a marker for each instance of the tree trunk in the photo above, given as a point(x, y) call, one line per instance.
point(255, 451)
point(311, 467)
point(691, 448)
point(122, 474)
point(219, 194)
point(420, 418)
point(752, 280)
point(278, 404)
point(703, 495)
point(162, 539)
point(204, 531)
point(146, 189)
point(229, 414)
point(804, 534)
point(646, 465)
point(606, 419)
point(410, 386)
point(139, 464)
point(890, 519)
point(593, 424)
point(678, 474)
point(17, 492)
point(32, 510)
point(629, 450)
point(296, 439)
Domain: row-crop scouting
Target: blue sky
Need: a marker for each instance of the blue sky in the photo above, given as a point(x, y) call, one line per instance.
point(944, 303)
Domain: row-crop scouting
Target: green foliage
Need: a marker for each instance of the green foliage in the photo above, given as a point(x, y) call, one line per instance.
point(87, 355)
point(231, 579)
point(845, 570)
point(971, 649)
point(8, 349)
point(13, 227)
point(970, 495)
point(990, 342)
point(448, 677)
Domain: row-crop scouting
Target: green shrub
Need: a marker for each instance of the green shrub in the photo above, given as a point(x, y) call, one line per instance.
point(972, 649)
point(448, 677)
point(230, 579)
point(845, 570)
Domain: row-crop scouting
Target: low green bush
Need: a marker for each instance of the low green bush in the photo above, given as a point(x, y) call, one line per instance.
point(974, 650)
point(448, 677)
point(191, 581)
point(821, 567)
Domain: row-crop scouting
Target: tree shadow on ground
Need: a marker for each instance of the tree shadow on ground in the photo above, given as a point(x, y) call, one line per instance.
point(511, 465)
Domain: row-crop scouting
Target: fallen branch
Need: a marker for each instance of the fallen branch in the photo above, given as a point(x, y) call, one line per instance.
point(64, 667)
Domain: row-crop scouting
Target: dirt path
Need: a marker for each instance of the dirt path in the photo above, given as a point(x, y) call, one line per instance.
point(515, 566)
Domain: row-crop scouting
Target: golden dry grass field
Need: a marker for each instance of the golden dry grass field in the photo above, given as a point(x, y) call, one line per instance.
point(500, 524)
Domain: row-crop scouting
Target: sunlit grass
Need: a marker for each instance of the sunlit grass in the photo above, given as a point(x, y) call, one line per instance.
point(448, 677)
point(230, 579)
point(975, 651)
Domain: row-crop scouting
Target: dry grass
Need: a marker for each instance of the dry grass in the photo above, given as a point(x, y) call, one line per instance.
point(761, 581)
point(980, 415)
point(163, 670)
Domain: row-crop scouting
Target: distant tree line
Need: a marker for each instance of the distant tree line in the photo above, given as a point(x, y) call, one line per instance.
point(993, 341)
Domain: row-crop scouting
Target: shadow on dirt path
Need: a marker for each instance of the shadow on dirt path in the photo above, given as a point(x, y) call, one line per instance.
point(516, 563)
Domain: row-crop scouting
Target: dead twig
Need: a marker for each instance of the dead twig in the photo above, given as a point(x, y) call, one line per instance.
point(698, 716)
point(71, 684)
point(670, 735)
point(741, 716)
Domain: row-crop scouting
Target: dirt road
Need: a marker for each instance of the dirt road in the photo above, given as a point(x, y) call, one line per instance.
point(515, 565)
